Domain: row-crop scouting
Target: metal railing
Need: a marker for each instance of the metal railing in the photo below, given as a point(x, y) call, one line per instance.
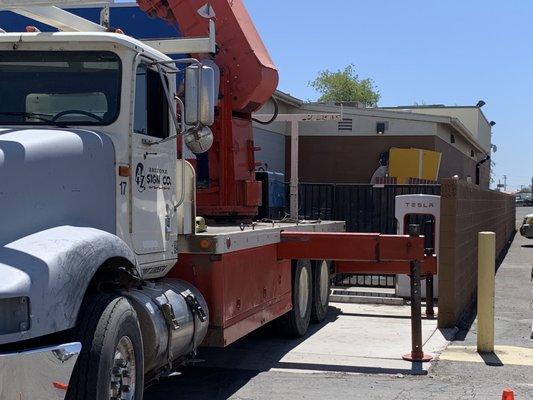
point(365, 208)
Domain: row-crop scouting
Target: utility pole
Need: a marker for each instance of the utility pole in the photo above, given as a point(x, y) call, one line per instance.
point(505, 183)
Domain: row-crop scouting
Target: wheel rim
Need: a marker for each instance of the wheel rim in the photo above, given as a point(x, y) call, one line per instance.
point(122, 385)
point(303, 299)
point(324, 282)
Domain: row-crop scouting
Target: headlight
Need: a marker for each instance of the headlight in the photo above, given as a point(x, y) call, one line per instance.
point(14, 315)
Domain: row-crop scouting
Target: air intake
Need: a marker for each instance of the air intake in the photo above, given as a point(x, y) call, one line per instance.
point(345, 125)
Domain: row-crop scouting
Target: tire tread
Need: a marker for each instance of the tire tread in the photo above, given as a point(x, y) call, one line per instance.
point(86, 332)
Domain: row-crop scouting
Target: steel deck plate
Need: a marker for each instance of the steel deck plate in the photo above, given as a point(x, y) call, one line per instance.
point(224, 239)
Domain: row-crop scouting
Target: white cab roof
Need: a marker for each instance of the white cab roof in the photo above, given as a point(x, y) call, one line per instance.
point(87, 37)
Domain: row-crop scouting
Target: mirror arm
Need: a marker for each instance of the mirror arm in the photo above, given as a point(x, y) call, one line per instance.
point(191, 61)
point(182, 130)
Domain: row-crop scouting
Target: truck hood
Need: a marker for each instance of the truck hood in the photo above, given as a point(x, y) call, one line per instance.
point(55, 177)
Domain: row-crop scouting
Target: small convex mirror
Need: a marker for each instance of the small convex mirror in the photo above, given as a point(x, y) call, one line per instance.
point(200, 95)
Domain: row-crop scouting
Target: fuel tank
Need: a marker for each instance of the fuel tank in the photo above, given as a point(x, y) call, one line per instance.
point(170, 322)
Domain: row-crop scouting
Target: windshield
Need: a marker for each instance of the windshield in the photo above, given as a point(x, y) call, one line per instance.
point(59, 88)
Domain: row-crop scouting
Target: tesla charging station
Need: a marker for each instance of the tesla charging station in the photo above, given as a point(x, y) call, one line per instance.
point(412, 208)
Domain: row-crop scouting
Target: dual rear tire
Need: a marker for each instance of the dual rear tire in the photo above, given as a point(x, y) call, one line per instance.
point(310, 297)
point(321, 290)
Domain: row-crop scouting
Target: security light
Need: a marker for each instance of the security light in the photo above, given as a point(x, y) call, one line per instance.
point(480, 103)
point(492, 123)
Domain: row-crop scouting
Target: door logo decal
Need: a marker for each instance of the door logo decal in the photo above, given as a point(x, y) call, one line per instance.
point(155, 178)
point(140, 178)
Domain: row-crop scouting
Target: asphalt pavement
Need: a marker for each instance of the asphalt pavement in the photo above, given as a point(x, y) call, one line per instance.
point(459, 373)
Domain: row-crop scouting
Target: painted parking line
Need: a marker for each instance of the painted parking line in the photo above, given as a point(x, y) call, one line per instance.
point(510, 355)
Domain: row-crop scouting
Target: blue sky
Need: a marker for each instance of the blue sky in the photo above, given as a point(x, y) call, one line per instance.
point(451, 52)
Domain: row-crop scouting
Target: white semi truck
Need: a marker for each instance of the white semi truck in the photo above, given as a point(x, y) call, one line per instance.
point(97, 209)
point(105, 280)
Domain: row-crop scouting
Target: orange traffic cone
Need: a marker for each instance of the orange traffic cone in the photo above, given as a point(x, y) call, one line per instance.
point(508, 394)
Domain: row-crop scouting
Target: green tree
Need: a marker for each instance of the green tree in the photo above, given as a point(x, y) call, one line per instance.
point(345, 86)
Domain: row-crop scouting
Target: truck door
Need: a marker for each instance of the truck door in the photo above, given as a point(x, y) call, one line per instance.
point(154, 172)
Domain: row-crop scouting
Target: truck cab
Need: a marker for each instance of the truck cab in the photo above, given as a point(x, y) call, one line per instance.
point(106, 87)
point(93, 192)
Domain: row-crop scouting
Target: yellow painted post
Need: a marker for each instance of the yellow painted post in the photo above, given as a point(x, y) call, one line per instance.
point(485, 291)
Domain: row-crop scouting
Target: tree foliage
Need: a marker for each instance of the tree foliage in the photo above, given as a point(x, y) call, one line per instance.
point(345, 86)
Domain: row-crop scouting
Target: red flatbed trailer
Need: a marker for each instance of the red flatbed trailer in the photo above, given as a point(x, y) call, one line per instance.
point(245, 282)
point(245, 273)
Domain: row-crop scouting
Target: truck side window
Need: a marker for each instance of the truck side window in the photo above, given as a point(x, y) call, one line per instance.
point(151, 107)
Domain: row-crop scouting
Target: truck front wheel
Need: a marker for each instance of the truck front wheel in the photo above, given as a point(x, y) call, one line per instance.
point(110, 365)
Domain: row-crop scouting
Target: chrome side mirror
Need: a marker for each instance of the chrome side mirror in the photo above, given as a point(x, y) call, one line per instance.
point(200, 95)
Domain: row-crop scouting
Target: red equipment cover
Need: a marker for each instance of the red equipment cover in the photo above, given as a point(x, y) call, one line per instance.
point(254, 77)
point(248, 79)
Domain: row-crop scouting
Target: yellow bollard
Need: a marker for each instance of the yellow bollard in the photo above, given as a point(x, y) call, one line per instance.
point(485, 291)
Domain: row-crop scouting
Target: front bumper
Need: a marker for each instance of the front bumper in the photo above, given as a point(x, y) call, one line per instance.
point(527, 231)
point(38, 373)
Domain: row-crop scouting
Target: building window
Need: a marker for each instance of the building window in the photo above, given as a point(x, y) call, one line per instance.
point(381, 127)
point(472, 154)
point(452, 138)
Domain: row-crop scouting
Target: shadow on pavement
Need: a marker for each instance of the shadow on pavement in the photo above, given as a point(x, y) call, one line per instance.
point(222, 381)
point(200, 383)
point(228, 370)
point(491, 359)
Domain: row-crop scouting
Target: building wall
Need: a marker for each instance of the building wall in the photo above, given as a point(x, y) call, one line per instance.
point(457, 163)
point(465, 211)
point(330, 154)
point(471, 117)
point(272, 153)
point(484, 133)
point(353, 159)
point(445, 132)
point(365, 125)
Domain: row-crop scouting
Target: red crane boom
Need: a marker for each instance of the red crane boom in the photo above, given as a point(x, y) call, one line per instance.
point(248, 79)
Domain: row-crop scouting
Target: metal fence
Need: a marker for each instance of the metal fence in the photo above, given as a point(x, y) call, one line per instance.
point(365, 208)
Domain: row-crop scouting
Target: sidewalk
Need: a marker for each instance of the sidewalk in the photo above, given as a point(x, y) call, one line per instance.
point(355, 338)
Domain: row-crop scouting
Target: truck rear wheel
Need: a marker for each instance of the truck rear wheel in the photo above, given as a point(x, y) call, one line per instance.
point(321, 291)
point(296, 321)
point(110, 365)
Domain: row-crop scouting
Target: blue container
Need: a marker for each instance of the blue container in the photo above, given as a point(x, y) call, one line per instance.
point(126, 16)
point(274, 194)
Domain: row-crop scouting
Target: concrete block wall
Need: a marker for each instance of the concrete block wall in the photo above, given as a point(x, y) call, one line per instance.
point(467, 209)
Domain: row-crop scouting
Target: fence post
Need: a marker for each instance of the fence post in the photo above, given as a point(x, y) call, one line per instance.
point(485, 292)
